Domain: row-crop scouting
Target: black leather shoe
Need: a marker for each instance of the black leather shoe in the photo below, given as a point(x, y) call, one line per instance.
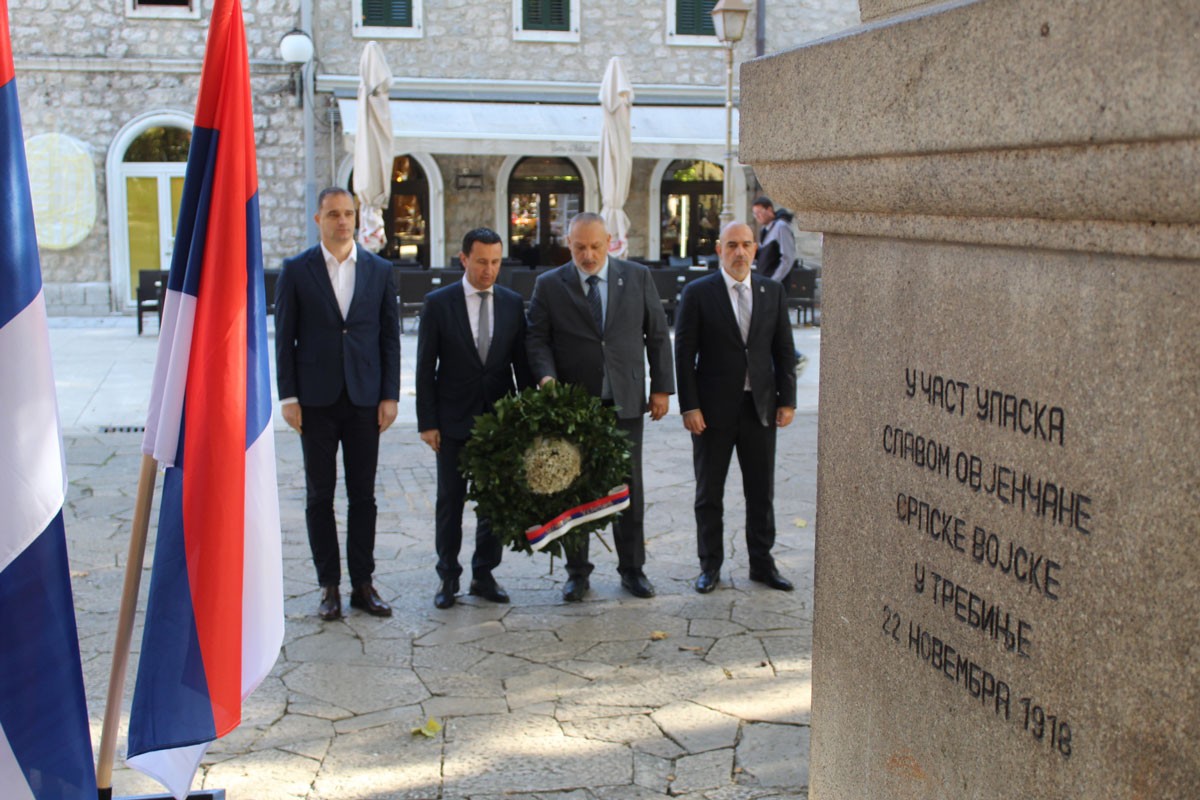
point(331, 603)
point(773, 579)
point(488, 589)
point(445, 595)
point(574, 589)
point(637, 584)
point(365, 598)
point(707, 580)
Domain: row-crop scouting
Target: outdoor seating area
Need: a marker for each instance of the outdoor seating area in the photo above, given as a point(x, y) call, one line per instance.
point(414, 282)
point(151, 293)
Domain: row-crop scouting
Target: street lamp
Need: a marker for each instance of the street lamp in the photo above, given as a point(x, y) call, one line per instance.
point(296, 47)
point(729, 21)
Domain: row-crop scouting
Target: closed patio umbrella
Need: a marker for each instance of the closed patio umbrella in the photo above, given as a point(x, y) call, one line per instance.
point(616, 155)
point(373, 146)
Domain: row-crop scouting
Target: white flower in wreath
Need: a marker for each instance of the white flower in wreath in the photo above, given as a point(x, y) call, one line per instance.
point(551, 465)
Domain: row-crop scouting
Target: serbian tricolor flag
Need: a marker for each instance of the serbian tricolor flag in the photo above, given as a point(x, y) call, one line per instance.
point(45, 745)
point(214, 615)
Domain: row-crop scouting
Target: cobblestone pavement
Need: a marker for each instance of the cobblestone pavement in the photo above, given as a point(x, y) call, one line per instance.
point(614, 698)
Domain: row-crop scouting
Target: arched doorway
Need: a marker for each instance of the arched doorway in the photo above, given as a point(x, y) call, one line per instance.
point(543, 194)
point(146, 165)
point(406, 218)
point(690, 214)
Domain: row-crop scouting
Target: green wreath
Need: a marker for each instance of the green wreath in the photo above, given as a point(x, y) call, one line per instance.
point(540, 453)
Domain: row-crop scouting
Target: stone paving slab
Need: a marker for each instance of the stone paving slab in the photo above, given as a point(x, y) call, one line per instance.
point(615, 698)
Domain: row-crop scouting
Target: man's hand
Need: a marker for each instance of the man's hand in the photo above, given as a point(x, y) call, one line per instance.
point(291, 415)
point(694, 421)
point(784, 416)
point(388, 409)
point(659, 402)
point(433, 438)
point(545, 380)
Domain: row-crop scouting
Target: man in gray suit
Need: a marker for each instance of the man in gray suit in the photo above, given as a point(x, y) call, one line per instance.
point(596, 321)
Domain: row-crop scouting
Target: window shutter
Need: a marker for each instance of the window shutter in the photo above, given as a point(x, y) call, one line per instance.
point(387, 13)
point(694, 17)
point(546, 15)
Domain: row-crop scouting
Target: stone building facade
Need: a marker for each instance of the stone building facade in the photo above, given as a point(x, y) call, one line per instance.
point(114, 83)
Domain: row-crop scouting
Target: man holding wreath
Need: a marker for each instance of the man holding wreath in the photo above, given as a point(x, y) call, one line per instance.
point(595, 321)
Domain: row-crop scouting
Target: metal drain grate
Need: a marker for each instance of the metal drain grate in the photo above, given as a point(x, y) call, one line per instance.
point(123, 429)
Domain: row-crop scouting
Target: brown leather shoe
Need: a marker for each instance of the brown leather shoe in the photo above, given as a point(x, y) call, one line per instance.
point(365, 598)
point(331, 603)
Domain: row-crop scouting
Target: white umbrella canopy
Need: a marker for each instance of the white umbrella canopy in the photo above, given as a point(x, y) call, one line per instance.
point(616, 155)
point(373, 146)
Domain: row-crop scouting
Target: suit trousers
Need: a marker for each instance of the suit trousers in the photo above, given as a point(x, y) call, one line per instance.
point(711, 454)
point(451, 496)
point(628, 529)
point(356, 429)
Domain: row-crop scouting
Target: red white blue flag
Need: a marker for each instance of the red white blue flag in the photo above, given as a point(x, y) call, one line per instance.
point(45, 744)
point(214, 616)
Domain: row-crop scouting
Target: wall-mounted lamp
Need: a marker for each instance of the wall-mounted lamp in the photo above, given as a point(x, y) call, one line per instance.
point(296, 47)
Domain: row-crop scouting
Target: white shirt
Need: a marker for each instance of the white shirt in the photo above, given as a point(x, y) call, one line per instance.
point(730, 283)
point(341, 275)
point(473, 302)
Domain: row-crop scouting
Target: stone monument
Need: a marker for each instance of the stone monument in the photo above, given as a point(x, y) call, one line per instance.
point(1008, 527)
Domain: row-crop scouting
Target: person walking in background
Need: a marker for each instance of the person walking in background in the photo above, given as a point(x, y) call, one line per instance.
point(596, 321)
point(337, 359)
point(736, 371)
point(776, 242)
point(470, 353)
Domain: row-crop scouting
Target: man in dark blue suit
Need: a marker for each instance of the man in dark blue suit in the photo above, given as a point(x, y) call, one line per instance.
point(470, 348)
point(736, 370)
point(337, 357)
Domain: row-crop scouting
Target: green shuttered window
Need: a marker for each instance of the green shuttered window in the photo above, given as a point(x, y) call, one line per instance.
point(387, 13)
point(693, 17)
point(546, 15)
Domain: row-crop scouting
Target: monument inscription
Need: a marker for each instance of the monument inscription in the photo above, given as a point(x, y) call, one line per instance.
point(1001, 501)
point(1007, 586)
point(943, 576)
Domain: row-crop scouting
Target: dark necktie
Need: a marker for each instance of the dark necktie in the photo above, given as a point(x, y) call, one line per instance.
point(593, 298)
point(485, 335)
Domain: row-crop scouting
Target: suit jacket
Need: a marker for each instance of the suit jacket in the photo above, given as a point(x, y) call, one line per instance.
point(712, 360)
point(453, 385)
point(317, 352)
point(564, 342)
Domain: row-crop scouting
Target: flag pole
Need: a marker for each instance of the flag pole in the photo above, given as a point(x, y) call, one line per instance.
point(129, 596)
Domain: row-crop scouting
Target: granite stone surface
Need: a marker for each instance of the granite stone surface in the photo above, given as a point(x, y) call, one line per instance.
point(537, 699)
point(1007, 578)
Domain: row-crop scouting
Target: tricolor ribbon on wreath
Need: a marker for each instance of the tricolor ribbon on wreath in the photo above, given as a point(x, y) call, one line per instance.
point(616, 500)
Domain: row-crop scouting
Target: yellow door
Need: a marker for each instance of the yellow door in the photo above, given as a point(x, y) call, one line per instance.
point(152, 211)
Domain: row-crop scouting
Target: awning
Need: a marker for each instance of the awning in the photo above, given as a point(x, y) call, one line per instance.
point(545, 129)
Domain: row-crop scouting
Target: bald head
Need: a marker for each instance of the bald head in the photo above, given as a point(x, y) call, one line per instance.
point(588, 239)
point(736, 248)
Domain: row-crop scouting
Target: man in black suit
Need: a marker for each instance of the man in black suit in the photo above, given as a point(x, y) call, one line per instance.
point(595, 321)
point(470, 347)
point(737, 383)
point(337, 359)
